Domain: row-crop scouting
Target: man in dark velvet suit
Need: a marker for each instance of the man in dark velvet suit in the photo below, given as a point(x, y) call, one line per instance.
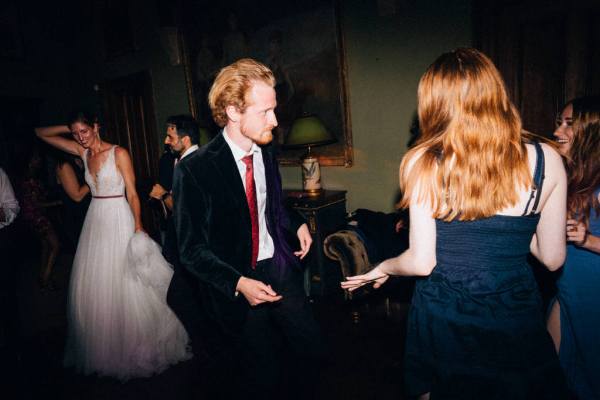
point(231, 229)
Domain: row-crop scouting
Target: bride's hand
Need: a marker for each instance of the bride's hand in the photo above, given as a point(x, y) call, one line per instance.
point(139, 229)
point(375, 275)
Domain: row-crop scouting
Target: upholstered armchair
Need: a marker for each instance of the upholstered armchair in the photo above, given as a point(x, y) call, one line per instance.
point(371, 237)
point(349, 250)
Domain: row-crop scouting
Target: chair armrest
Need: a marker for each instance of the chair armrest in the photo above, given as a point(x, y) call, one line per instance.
point(348, 249)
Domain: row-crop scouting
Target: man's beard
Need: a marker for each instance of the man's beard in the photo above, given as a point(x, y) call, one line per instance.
point(174, 152)
point(264, 138)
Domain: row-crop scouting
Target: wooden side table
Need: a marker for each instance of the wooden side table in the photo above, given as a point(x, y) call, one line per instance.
point(324, 214)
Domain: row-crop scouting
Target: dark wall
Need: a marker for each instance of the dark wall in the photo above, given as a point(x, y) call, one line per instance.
point(548, 53)
point(388, 46)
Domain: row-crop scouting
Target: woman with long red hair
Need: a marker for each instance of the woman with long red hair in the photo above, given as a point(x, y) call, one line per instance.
point(480, 199)
point(575, 317)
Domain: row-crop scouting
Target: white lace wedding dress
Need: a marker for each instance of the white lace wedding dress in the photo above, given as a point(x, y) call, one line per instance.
point(119, 324)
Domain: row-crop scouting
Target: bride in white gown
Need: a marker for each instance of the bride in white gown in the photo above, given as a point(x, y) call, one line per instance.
point(119, 322)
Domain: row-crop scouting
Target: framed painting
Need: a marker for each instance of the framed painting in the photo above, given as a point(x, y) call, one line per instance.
point(301, 42)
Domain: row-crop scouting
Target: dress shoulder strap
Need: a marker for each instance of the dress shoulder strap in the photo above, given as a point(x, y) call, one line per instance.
point(112, 154)
point(538, 180)
point(85, 157)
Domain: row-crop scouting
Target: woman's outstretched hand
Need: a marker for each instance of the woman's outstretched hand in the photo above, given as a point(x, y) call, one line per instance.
point(374, 276)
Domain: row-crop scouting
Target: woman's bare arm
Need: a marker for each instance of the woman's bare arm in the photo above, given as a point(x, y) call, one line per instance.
point(418, 260)
point(549, 242)
point(53, 136)
point(591, 243)
point(69, 182)
point(420, 257)
point(125, 166)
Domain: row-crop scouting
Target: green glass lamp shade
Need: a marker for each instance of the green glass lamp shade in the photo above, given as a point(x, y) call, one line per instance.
point(308, 131)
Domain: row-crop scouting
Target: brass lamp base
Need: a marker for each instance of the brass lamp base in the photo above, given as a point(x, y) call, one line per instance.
point(313, 192)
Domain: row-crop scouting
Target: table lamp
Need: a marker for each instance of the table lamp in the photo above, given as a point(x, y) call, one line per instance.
point(308, 131)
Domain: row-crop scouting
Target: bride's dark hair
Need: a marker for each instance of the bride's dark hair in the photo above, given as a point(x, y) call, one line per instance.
point(84, 117)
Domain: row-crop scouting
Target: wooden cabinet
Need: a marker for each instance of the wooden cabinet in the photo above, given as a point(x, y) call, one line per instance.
point(324, 214)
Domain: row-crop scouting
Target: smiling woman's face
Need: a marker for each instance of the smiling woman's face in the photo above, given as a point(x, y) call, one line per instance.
point(83, 133)
point(564, 129)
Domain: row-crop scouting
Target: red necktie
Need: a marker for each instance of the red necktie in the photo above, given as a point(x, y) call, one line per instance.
point(252, 206)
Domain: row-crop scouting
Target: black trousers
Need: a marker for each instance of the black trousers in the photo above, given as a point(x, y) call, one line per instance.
point(280, 349)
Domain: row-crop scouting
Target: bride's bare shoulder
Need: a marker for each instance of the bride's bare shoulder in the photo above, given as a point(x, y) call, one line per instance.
point(121, 152)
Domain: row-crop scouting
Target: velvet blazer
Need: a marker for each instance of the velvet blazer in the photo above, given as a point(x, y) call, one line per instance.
point(213, 227)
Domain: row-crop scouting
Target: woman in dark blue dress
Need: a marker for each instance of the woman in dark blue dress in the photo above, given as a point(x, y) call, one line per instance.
point(480, 199)
point(75, 195)
point(574, 321)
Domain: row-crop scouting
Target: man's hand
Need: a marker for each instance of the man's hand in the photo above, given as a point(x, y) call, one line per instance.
point(256, 292)
point(305, 241)
point(157, 192)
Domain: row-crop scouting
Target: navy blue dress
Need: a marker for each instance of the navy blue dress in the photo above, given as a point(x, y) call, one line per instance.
point(476, 328)
point(579, 297)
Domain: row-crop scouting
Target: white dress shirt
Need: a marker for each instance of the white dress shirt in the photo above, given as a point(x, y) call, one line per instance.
point(189, 151)
point(8, 201)
point(265, 244)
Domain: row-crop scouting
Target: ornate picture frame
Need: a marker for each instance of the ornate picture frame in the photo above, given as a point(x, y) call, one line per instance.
point(302, 43)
